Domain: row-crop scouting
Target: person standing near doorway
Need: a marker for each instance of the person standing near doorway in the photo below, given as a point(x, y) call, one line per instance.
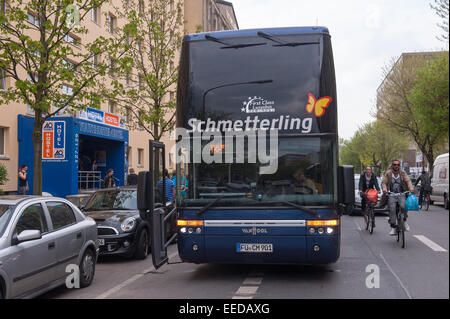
point(23, 180)
point(108, 182)
point(132, 178)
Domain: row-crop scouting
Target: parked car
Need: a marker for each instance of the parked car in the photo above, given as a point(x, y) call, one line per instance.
point(357, 207)
point(121, 230)
point(39, 238)
point(439, 181)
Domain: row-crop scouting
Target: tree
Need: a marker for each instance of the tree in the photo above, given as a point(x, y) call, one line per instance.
point(148, 95)
point(430, 97)
point(373, 144)
point(40, 50)
point(441, 8)
point(395, 109)
point(3, 175)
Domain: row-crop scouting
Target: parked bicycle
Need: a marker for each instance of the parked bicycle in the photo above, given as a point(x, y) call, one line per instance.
point(400, 227)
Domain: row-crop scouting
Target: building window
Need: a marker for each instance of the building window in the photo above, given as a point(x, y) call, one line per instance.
point(71, 39)
point(94, 60)
point(141, 82)
point(111, 107)
point(33, 19)
point(127, 115)
point(69, 65)
point(94, 14)
point(112, 66)
point(170, 160)
point(2, 141)
point(2, 79)
point(67, 90)
point(127, 78)
point(140, 157)
point(111, 23)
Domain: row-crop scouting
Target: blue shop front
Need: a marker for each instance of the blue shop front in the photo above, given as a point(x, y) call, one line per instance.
point(77, 152)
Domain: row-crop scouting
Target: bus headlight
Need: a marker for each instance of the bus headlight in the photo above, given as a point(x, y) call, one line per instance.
point(312, 231)
point(183, 230)
point(320, 231)
point(329, 230)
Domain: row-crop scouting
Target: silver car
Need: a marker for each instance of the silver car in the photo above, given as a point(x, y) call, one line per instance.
point(39, 238)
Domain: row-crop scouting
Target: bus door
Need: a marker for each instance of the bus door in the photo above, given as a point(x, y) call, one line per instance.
point(153, 205)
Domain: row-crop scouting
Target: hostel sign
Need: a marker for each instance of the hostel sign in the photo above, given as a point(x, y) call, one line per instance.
point(54, 140)
point(102, 117)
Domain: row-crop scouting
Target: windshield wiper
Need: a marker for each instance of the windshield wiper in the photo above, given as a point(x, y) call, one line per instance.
point(203, 209)
point(306, 209)
point(282, 43)
point(238, 46)
point(231, 46)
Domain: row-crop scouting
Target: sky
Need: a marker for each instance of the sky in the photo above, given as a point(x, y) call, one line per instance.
point(365, 35)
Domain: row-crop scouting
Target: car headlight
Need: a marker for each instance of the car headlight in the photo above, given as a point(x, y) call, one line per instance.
point(128, 224)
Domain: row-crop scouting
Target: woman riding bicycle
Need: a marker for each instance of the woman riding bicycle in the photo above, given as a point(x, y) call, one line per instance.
point(367, 180)
point(395, 180)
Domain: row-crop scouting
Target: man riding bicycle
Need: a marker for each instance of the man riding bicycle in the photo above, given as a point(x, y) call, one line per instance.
point(425, 185)
point(395, 180)
point(367, 180)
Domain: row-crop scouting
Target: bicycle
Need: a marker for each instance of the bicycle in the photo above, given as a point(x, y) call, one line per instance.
point(425, 201)
point(400, 228)
point(370, 214)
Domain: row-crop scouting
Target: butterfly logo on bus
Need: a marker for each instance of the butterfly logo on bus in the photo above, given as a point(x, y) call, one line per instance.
point(318, 106)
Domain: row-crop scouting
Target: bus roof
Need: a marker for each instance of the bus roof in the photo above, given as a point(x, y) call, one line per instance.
point(253, 32)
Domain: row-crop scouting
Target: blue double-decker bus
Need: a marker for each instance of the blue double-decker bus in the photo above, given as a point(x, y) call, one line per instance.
point(257, 177)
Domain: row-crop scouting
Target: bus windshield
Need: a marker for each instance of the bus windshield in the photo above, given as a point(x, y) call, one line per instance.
point(305, 176)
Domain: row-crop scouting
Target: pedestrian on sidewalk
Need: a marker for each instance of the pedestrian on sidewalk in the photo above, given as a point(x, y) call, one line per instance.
point(23, 180)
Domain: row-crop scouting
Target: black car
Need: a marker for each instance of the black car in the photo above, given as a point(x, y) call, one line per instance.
point(121, 230)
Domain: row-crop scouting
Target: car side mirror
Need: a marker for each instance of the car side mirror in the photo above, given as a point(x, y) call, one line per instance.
point(27, 235)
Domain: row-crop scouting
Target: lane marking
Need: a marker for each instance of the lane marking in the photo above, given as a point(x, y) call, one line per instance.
point(132, 279)
point(431, 244)
point(396, 277)
point(250, 286)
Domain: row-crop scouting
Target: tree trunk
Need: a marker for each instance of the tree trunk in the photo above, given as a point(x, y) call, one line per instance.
point(37, 151)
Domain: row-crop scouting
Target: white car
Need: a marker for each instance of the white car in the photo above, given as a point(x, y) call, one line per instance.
point(357, 206)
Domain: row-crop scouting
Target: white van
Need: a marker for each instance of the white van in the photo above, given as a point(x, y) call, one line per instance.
point(439, 181)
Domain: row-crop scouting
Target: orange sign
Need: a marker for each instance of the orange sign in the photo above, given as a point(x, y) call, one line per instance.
point(111, 119)
point(47, 145)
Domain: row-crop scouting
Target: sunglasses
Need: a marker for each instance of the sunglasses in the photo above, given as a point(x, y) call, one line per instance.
point(395, 164)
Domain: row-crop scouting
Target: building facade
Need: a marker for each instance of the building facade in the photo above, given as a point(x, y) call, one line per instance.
point(102, 135)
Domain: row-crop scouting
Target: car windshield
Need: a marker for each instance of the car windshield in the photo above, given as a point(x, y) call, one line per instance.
point(5, 214)
point(305, 176)
point(113, 199)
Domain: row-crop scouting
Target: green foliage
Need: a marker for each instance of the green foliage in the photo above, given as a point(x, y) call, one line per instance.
point(374, 144)
point(3, 174)
point(154, 35)
point(50, 70)
point(430, 97)
point(395, 106)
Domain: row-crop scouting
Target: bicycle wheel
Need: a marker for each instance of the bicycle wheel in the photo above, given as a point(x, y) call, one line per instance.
point(372, 219)
point(427, 203)
point(402, 230)
point(398, 223)
point(366, 219)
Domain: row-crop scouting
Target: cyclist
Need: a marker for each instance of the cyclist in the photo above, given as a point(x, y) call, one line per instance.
point(396, 180)
point(367, 180)
point(425, 185)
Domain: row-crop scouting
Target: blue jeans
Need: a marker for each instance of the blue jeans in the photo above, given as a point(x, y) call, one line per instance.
point(392, 201)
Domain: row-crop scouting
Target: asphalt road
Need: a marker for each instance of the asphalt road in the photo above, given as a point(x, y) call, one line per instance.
point(418, 271)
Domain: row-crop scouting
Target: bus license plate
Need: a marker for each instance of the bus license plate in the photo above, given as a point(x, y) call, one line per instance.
point(254, 248)
point(101, 242)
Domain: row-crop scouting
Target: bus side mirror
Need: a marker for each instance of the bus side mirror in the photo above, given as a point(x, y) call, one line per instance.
point(346, 186)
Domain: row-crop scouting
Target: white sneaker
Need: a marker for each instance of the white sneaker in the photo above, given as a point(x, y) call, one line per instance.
point(406, 226)
point(393, 232)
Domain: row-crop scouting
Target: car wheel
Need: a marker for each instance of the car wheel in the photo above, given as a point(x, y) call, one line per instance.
point(349, 209)
point(445, 201)
point(87, 268)
point(142, 246)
